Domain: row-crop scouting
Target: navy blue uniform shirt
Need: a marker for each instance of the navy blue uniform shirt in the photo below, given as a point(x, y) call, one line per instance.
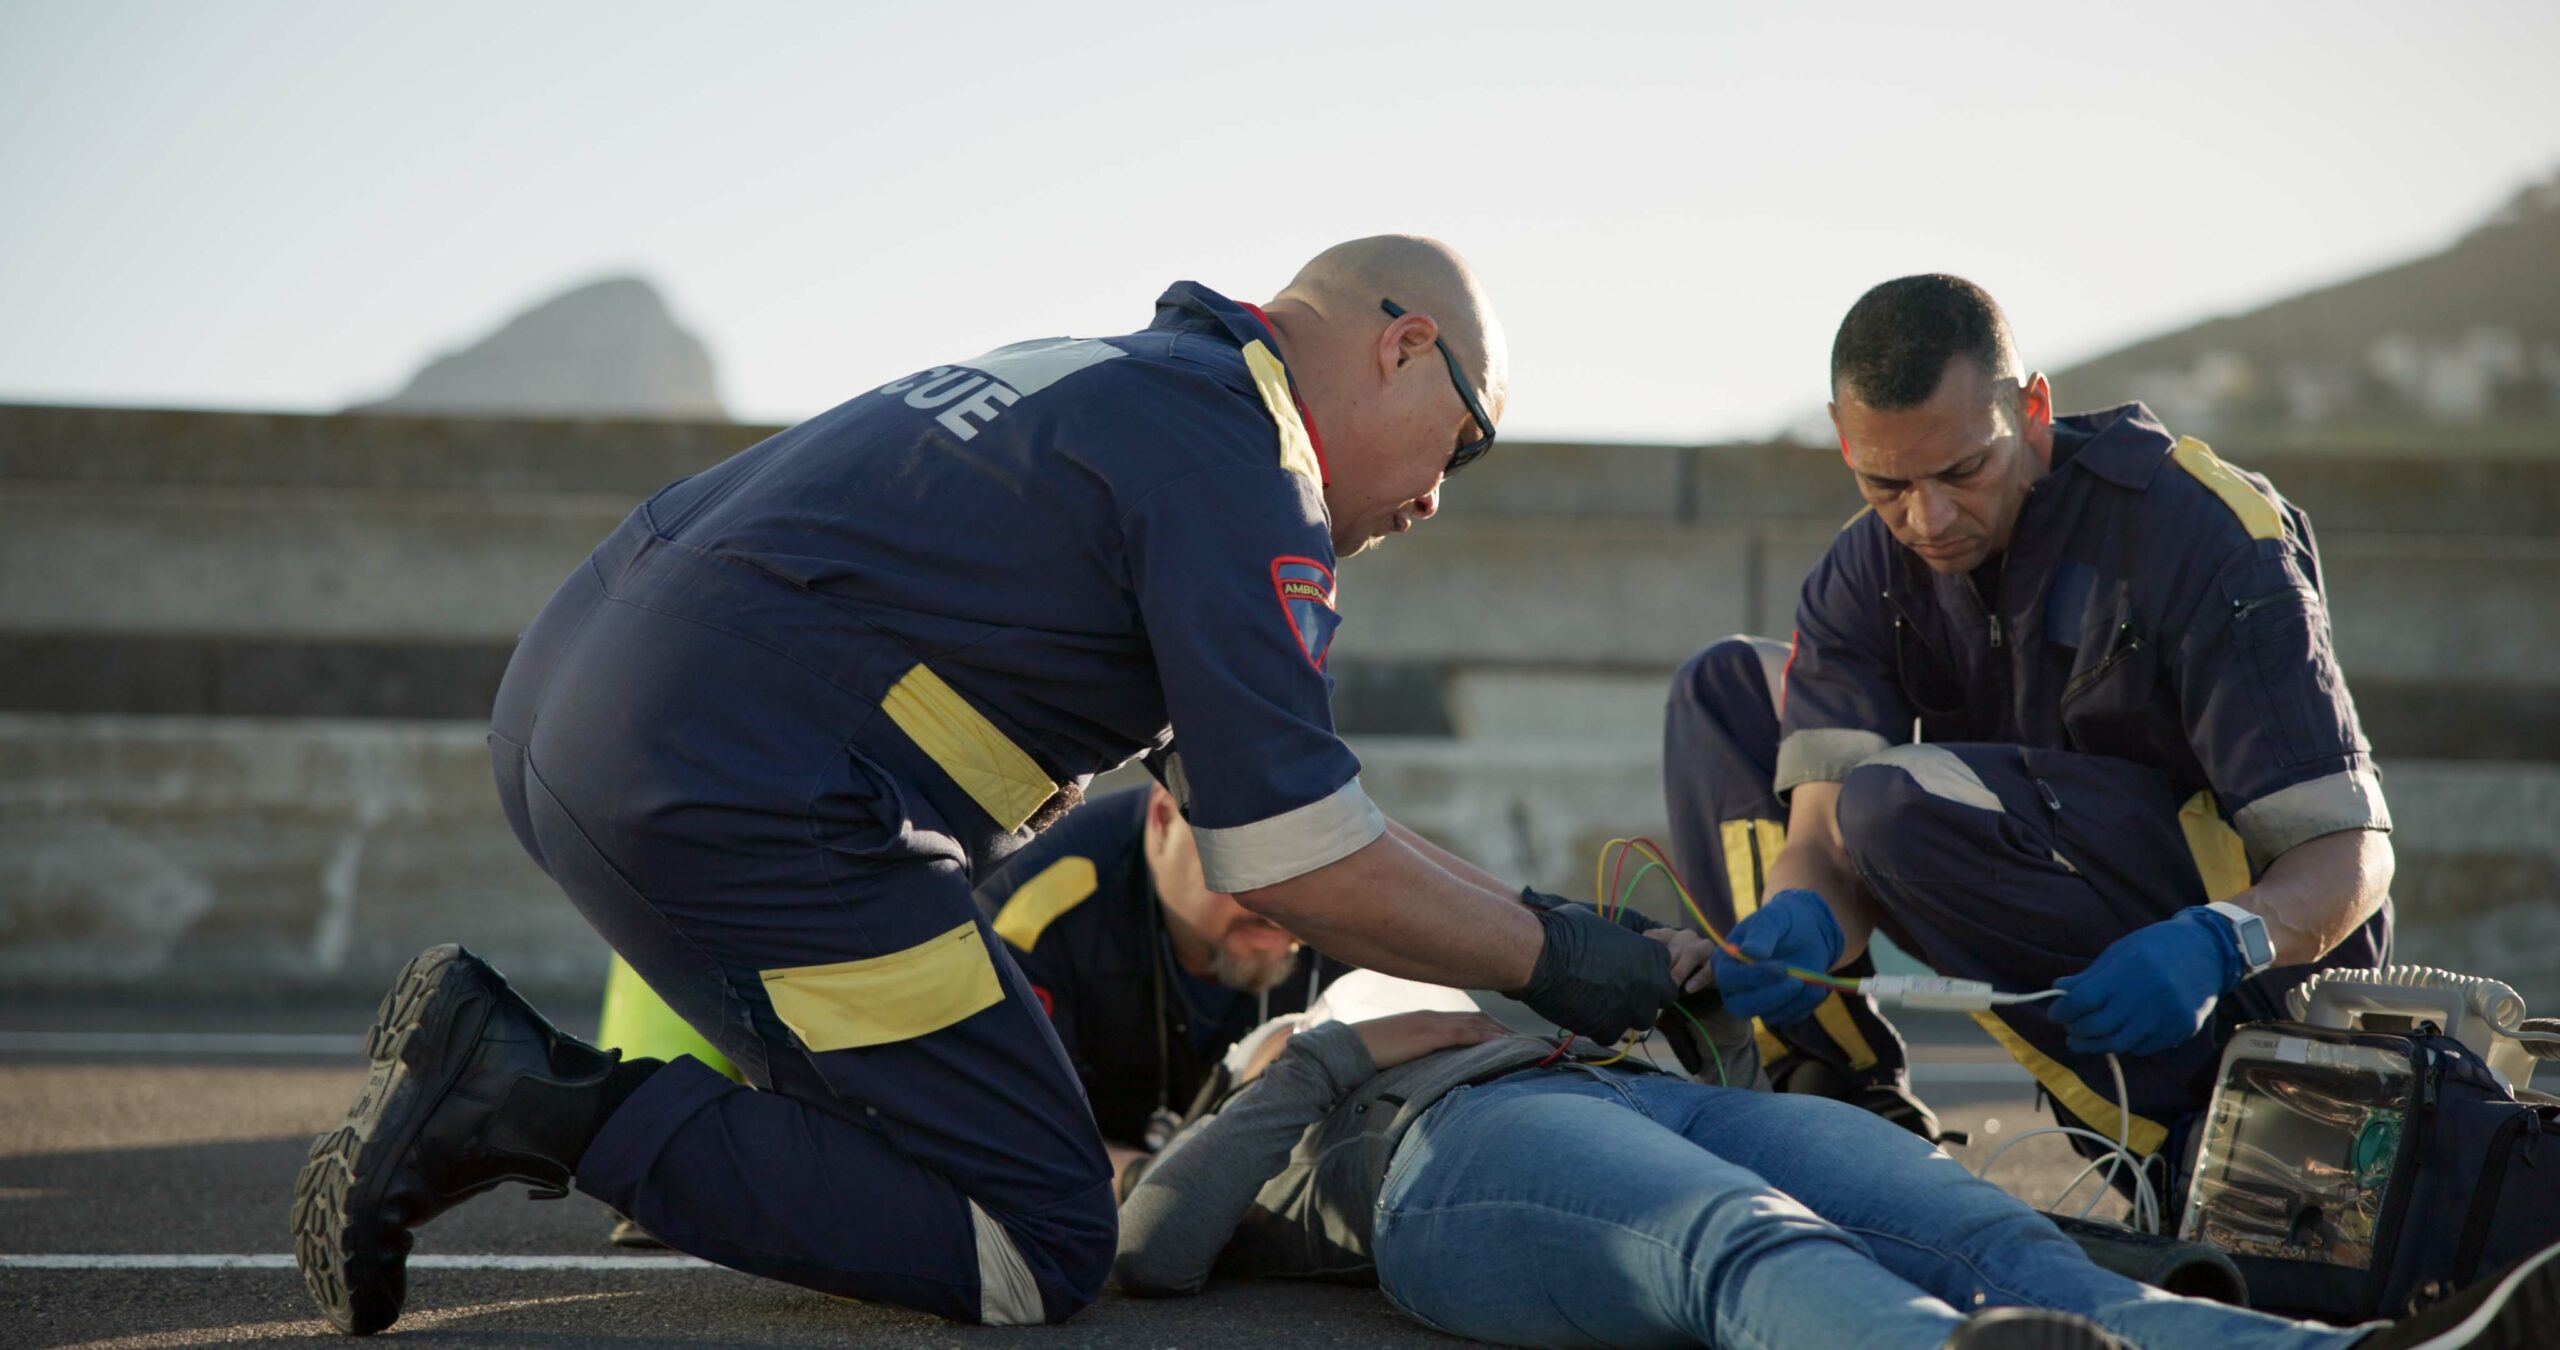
point(2154, 604)
point(1079, 909)
point(1106, 547)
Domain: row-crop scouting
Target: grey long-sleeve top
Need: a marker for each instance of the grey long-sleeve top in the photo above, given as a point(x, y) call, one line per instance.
point(1285, 1179)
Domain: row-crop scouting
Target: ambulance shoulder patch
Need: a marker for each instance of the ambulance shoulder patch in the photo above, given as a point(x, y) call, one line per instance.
point(1305, 591)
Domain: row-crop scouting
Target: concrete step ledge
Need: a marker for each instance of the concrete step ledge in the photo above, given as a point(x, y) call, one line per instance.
point(221, 853)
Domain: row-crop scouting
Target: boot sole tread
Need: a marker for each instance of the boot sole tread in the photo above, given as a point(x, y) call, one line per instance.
point(354, 1257)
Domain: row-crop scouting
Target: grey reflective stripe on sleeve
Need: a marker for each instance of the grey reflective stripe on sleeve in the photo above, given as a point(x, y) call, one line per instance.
point(1007, 1295)
point(1290, 844)
point(1823, 754)
point(1940, 773)
point(2351, 800)
point(1176, 781)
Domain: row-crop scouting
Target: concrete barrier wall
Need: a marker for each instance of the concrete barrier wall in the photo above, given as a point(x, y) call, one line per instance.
point(174, 853)
point(218, 537)
point(264, 568)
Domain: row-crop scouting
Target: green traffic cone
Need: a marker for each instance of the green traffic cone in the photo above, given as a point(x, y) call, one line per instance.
point(641, 1025)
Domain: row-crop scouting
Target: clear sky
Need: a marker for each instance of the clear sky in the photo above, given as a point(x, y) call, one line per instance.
point(292, 205)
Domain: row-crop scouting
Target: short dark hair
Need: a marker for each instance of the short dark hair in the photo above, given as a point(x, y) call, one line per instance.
point(1896, 341)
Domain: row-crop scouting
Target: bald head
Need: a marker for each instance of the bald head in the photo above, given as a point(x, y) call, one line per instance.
point(1344, 284)
point(1390, 412)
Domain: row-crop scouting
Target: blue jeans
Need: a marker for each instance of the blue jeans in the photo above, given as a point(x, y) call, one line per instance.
point(1598, 1207)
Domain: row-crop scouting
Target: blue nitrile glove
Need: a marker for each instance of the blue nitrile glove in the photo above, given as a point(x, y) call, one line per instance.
point(2152, 988)
point(1794, 929)
point(1594, 978)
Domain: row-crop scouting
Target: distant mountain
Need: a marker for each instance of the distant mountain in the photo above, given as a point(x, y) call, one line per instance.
point(608, 348)
point(2458, 351)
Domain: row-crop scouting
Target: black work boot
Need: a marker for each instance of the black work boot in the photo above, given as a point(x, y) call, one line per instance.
point(2031, 1329)
point(470, 1088)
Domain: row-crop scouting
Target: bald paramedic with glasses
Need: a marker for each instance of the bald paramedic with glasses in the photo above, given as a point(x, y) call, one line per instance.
point(769, 734)
point(2061, 711)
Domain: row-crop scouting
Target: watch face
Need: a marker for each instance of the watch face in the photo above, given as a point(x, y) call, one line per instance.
point(2253, 940)
point(2257, 946)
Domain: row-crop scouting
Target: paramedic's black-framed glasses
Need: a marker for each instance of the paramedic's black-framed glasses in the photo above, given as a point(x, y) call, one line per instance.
point(1473, 450)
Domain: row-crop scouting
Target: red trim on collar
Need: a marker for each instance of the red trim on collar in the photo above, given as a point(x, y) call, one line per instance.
point(1314, 438)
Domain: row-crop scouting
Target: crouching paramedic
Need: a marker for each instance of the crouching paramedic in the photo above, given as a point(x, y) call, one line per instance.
point(2061, 712)
point(1148, 975)
point(769, 734)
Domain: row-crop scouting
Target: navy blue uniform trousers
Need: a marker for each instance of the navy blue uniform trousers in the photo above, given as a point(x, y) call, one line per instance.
point(2002, 863)
point(694, 750)
point(1719, 767)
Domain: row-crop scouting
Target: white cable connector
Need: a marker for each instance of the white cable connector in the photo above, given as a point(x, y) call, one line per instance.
point(1940, 993)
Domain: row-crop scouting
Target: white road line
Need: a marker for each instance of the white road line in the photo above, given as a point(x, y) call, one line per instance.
point(284, 1261)
point(178, 1043)
point(1985, 1072)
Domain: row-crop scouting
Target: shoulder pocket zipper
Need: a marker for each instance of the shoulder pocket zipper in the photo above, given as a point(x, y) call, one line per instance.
point(2241, 609)
point(2080, 683)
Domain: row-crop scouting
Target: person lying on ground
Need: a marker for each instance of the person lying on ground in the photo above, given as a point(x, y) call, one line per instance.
point(1496, 1188)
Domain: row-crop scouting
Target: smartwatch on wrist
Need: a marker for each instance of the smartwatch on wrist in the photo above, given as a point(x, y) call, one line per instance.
point(2257, 947)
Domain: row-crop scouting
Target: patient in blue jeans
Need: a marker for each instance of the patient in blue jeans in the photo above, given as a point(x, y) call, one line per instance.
point(1497, 1189)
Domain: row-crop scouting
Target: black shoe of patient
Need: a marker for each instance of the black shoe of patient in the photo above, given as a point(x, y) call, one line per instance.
point(2031, 1329)
point(1803, 1073)
point(470, 1088)
point(1898, 1105)
point(2519, 1309)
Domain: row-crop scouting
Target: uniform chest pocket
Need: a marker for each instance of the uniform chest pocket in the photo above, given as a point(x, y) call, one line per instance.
point(2280, 648)
point(2106, 702)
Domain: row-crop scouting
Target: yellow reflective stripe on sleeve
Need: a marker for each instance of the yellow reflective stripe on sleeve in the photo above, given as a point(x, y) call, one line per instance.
point(1749, 847)
point(995, 773)
point(1833, 1017)
point(2256, 513)
point(1297, 449)
point(1037, 903)
point(881, 999)
point(2221, 858)
point(2144, 1136)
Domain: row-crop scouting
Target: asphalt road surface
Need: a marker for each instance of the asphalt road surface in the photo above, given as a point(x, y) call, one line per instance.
point(147, 1152)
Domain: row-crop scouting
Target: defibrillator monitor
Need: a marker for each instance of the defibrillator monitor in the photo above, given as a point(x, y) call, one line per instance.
point(2299, 1145)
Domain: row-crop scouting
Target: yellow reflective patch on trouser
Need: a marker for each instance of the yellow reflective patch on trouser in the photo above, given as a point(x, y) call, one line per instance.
point(996, 774)
point(1833, 1017)
point(2221, 859)
point(1749, 847)
point(881, 999)
point(2144, 1136)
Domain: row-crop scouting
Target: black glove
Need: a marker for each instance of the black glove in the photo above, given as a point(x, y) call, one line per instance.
point(1634, 921)
point(1595, 978)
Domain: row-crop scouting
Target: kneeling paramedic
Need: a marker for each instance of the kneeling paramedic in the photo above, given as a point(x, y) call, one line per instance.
point(2061, 712)
point(769, 734)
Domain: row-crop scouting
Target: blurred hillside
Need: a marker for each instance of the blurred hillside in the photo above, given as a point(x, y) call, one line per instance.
point(609, 348)
point(2457, 352)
